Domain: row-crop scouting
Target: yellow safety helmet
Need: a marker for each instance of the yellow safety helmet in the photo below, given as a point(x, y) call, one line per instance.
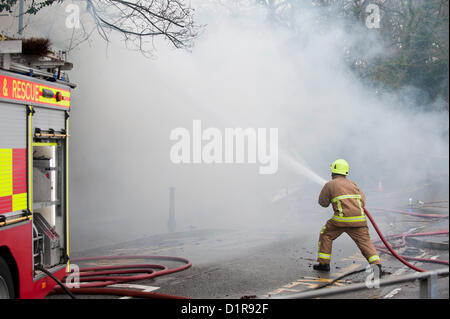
point(340, 166)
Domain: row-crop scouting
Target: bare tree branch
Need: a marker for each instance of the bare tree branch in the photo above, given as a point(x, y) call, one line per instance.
point(136, 20)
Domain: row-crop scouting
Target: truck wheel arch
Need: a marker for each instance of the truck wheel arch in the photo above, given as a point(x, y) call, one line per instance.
point(6, 255)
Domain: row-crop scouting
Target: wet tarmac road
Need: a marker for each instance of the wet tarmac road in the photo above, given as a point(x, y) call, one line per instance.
point(236, 264)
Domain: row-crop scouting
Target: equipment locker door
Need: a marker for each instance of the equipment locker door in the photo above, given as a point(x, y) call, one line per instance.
point(46, 119)
point(13, 158)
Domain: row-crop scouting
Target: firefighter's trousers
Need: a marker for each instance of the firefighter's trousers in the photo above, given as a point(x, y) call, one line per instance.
point(360, 236)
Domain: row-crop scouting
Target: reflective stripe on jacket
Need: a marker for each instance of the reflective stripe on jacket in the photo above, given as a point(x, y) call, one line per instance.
point(348, 202)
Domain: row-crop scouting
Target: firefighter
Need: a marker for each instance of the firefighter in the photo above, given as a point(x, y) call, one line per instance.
point(348, 202)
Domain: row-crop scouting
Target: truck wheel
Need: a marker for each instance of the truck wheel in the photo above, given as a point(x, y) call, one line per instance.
point(6, 281)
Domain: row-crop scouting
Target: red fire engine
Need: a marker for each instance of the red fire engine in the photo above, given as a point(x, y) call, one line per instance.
point(35, 101)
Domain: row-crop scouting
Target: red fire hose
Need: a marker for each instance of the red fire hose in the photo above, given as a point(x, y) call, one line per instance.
point(412, 213)
point(403, 236)
point(92, 278)
point(108, 275)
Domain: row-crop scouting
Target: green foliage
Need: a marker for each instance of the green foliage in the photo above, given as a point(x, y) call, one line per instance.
point(413, 35)
point(6, 5)
point(419, 55)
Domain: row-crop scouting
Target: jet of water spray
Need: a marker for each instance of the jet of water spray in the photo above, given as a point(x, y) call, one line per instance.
point(299, 168)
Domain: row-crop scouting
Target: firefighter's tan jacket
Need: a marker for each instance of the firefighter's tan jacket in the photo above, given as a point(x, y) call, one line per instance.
point(347, 200)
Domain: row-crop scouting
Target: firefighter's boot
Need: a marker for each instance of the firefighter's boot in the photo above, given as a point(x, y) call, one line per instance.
point(322, 267)
point(382, 272)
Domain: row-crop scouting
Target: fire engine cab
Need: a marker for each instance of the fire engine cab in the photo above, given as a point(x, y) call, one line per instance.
point(35, 98)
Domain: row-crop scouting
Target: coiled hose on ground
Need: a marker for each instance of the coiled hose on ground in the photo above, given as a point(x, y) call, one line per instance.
point(94, 279)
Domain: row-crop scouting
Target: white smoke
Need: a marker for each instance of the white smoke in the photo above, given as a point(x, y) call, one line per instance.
point(245, 71)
